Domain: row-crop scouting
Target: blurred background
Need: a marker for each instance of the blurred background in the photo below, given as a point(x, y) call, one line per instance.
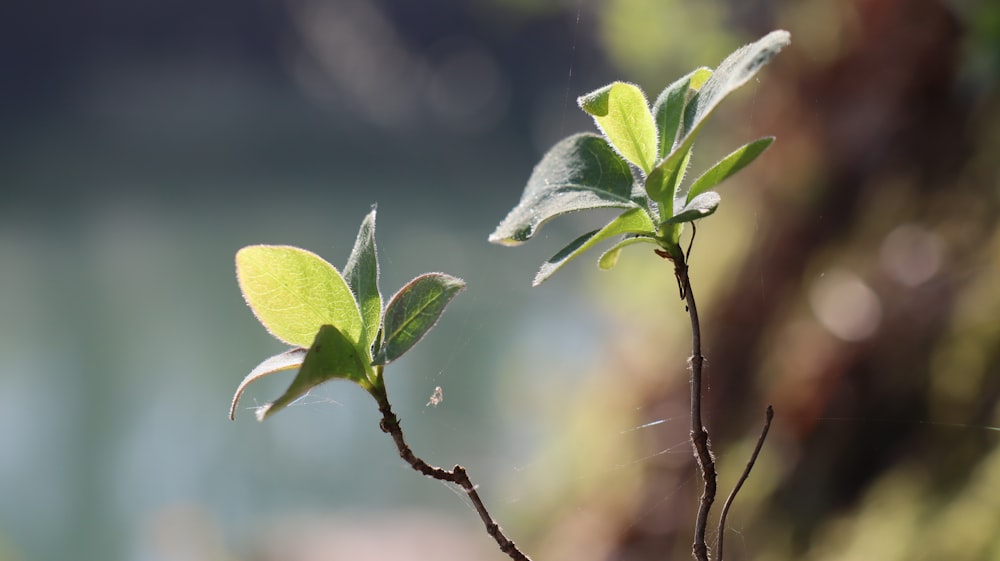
point(851, 278)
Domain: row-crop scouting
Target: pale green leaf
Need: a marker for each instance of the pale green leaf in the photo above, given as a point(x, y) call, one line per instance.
point(413, 311)
point(698, 79)
point(728, 166)
point(293, 292)
point(609, 258)
point(285, 361)
point(332, 355)
point(580, 172)
point(634, 221)
point(361, 274)
point(622, 113)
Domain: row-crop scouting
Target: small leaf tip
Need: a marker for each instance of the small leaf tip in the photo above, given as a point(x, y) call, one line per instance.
point(498, 239)
point(782, 34)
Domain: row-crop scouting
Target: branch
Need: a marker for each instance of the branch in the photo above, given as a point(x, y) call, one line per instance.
point(739, 484)
point(457, 475)
point(699, 436)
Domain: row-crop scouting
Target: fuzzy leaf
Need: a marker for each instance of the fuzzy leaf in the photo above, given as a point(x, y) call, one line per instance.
point(634, 221)
point(285, 361)
point(664, 181)
point(699, 207)
point(361, 274)
point(609, 258)
point(728, 166)
point(669, 107)
point(332, 355)
point(580, 172)
point(622, 113)
point(732, 73)
point(293, 292)
point(413, 311)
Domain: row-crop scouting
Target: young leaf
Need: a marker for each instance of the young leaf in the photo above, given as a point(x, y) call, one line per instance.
point(728, 166)
point(609, 258)
point(285, 361)
point(293, 292)
point(669, 107)
point(622, 113)
point(579, 173)
point(634, 221)
point(732, 73)
point(413, 311)
point(332, 355)
point(662, 183)
point(361, 274)
point(699, 207)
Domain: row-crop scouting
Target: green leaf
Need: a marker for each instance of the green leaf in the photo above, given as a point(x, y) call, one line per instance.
point(580, 172)
point(609, 258)
point(332, 355)
point(701, 206)
point(698, 79)
point(634, 221)
point(622, 113)
point(728, 166)
point(361, 274)
point(732, 73)
point(413, 311)
point(293, 292)
point(663, 183)
point(285, 361)
point(669, 107)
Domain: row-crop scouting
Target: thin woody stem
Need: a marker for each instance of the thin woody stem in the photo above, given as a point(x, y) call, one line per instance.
point(699, 436)
point(457, 475)
point(768, 415)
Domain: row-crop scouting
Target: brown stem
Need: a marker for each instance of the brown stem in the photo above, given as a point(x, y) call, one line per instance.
point(457, 475)
point(699, 436)
point(768, 415)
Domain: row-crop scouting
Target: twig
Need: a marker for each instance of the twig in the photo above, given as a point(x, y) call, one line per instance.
point(457, 475)
point(699, 436)
point(739, 484)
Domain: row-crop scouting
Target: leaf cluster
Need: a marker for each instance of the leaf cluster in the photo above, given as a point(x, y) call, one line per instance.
point(638, 163)
point(334, 321)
